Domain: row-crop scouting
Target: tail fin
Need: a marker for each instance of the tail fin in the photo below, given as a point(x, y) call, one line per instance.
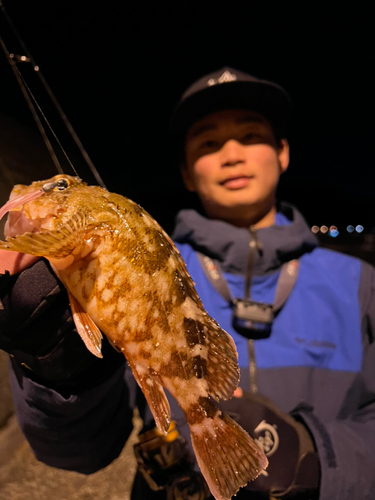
point(226, 454)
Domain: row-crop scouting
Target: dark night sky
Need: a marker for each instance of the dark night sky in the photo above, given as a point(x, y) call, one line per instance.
point(118, 68)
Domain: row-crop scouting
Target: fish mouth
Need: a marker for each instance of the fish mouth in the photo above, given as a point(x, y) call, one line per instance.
point(19, 201)
point(17, 222)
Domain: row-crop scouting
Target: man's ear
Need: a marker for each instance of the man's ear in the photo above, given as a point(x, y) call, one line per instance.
point(283, 155)
point(187, 178)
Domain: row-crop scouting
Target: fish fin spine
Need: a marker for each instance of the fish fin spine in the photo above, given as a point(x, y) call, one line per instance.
point(86, 327)
point(155, 396)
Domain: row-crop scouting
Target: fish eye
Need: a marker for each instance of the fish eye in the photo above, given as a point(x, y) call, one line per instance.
point(61, 184)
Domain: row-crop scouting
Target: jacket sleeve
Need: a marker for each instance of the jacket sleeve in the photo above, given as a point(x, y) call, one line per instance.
point(346, 445)
point(82, 432)
point(74, 409)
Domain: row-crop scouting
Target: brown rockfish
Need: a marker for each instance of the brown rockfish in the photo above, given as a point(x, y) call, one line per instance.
point(126, 278)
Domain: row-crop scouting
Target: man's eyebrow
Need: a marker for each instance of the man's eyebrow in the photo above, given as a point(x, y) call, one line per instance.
point(201, 129)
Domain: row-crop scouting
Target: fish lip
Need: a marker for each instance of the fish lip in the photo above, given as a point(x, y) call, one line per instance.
point(19, 201)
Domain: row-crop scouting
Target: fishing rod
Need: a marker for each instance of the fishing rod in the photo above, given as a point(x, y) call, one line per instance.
point(16, 60)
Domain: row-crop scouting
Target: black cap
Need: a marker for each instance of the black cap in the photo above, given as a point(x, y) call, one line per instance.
point(229, 88)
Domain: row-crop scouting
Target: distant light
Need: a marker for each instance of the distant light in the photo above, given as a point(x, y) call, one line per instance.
point(315, 229)
point(350, 229)
point(334, 232)
point(323, 229)
point(359, 229)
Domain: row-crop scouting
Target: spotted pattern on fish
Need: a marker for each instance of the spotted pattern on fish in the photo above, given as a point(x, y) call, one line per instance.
point(194, 332)
point(200, 367)
point(145, 354)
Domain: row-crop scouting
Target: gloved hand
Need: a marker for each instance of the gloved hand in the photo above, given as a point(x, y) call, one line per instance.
point(37, 330)
point(294, 467)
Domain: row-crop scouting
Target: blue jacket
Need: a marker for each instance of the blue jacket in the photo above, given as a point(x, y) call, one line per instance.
point(320, 352)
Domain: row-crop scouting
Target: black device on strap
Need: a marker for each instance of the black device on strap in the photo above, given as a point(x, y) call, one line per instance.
point(250, 318)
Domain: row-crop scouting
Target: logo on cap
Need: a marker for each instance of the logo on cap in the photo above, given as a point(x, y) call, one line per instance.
point(226, 77)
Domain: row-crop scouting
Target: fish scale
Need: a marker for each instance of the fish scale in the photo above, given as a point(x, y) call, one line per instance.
point(126, 279)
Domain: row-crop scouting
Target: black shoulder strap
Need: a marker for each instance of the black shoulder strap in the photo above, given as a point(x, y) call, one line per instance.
point(285, 283)
point(215, 275)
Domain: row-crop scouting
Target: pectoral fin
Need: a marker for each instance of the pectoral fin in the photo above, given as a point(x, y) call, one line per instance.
point(87, 329)
point(32, 244)
point(58, 243)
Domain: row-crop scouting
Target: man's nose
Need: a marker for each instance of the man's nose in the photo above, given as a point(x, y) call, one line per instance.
point(232, 153)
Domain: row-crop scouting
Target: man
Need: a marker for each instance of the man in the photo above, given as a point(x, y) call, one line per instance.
point(302, 319)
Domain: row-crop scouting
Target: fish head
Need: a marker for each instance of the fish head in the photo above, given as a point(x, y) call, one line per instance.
point(48, 204)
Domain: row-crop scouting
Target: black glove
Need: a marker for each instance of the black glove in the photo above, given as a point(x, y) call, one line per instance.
point(38, 331)
point(294, 468)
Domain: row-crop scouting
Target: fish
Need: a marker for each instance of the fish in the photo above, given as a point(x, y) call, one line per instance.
point(126, 279)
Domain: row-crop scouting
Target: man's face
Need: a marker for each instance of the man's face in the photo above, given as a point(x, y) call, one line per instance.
point(233, 163)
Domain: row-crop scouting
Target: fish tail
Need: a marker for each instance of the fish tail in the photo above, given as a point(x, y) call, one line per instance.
point(227, 456)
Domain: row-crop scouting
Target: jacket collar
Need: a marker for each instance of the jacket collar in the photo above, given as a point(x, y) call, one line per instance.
point(230, 245)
